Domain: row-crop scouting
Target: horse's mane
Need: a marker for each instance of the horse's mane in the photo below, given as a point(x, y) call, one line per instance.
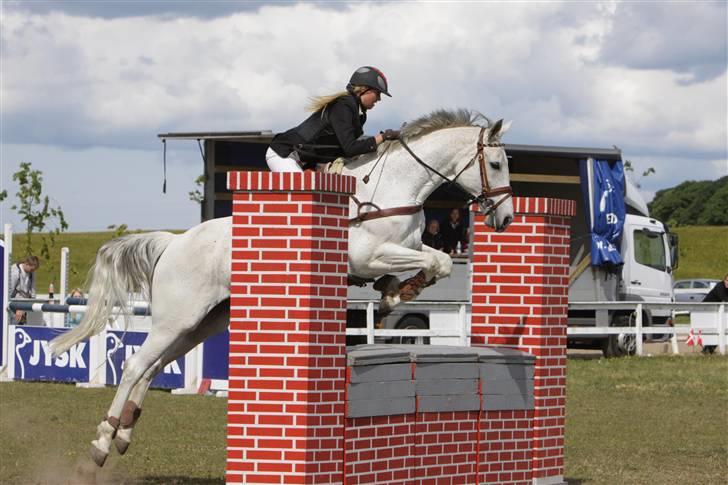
point(438, 120)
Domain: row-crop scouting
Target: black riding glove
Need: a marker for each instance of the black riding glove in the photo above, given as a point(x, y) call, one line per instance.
point(390, 134)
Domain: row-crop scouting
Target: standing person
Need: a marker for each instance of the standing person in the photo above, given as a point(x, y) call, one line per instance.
point(719, 292)
point(73, 319)
point(453, 232)
point(336, 127)
point(432, 236)
point(22, 283)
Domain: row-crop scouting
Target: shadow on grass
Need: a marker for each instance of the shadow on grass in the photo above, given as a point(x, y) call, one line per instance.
point(574, 481)
point(177, 480)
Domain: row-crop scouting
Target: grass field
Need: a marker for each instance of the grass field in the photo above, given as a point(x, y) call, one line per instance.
point(661, 420)
point(703, 254)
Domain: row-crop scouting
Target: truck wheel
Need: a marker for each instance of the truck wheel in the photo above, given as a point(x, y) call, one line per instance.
point(412, 322)
point(621, 344)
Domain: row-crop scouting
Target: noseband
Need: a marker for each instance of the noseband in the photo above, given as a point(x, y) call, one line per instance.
point(483, 198)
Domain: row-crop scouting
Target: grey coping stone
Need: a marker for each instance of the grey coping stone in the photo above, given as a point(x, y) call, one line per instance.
point(381, 390)
point(380, 407)
point(446, 370)
point(507, 402)
point(503, 355)
point(439, 353)
point(523, 387)
point(467, 402)
point(442, 387)
point(489, 371)
point(381, 373)
point(375, 354)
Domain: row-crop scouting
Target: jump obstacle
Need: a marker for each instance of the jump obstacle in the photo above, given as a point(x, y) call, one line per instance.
point(303, 410)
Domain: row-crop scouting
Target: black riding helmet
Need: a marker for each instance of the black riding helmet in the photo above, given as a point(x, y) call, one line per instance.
point(370, 77)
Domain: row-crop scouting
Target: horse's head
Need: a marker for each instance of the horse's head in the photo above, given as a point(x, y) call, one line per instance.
point(489, 176)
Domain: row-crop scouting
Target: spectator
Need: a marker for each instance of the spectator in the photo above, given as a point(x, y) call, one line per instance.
point(73, 319)
point(719, 292)
point(22, 283)
point(453, 232)
point(432, 236)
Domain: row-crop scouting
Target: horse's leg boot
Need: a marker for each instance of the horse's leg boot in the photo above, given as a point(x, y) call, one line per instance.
point(412, 287)
point(129, 415)
point(388, 285)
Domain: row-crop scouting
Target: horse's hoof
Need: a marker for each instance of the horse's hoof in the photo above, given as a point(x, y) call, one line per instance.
point(98, 456)
point(388, 285)
point(121, 445)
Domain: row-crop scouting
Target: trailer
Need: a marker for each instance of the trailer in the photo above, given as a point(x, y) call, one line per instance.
point(648, 249)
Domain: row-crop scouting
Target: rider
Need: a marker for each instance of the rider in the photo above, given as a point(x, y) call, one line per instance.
point(335, 128)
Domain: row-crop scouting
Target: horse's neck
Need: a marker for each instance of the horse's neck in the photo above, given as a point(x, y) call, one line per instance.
point(398, 179)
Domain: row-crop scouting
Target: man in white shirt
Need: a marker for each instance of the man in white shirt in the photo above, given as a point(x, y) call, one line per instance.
point(22, 282)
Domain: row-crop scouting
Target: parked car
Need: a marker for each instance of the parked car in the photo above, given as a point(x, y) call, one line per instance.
point(692, 291)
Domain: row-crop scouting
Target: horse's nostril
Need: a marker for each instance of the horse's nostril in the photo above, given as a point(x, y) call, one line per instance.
point(507, 221)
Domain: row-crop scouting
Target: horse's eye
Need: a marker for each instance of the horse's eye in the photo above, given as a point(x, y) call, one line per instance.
point(495, 165)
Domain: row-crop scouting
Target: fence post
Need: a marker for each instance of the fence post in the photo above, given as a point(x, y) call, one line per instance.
point(287, 360)
point(638, 324)
point(370, 322)
point(5, 298)
point(721, 328)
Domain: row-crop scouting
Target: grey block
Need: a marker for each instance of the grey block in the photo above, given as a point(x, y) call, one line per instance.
point(489, 371)
point(441, 387)
point(375, 354)
point(507, 402)
point(446, 371)
point(497, 355)
point(381, 373)
point(468, 402)
point(439, 353)
point(523, 387)
point(380, 407)
point(381, 390)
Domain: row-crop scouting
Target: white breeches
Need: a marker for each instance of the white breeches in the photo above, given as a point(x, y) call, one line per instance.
point(276, 163)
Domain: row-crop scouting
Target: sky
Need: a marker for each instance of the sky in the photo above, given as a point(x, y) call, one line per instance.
point(86, 86)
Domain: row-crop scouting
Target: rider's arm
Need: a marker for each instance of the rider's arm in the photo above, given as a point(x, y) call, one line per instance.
point(343, 118)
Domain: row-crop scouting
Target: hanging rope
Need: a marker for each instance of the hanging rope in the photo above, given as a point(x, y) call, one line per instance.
point(164, 162)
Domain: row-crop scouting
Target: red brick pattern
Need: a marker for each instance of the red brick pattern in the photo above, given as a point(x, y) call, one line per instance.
point(520, 300)
point(506, 447)
point(291, 182)
point(287, 329)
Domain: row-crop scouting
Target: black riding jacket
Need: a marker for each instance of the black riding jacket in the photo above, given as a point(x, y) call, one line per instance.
point(336, 131)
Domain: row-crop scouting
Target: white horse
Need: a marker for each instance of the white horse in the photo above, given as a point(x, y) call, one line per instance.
point(188, 275)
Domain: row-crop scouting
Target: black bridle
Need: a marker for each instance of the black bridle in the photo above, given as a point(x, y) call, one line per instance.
point(486, 191)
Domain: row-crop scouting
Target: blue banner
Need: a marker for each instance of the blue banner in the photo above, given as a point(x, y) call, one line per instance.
point(215, 356)
point(122, 345)
point(606, 212)
point(33, 360)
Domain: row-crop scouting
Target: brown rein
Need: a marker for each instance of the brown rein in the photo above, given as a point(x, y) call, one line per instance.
point(485, 194)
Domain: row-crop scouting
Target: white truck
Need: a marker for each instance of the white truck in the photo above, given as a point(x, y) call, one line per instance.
point(648, 249)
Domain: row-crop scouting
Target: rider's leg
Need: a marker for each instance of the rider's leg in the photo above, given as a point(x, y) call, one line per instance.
point(276, 163)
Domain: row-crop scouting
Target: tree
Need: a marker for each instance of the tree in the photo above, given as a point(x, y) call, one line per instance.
point(628, 167)
point(36, 211)
point(196, 195)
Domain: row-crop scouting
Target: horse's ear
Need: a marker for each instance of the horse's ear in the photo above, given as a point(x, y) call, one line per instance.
point(506, 126)
point(494, 131)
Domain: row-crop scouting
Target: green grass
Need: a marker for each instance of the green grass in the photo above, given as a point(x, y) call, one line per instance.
point(703, 252)
point(633, 420)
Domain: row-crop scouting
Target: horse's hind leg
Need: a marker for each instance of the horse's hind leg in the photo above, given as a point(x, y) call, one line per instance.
point(213, 323)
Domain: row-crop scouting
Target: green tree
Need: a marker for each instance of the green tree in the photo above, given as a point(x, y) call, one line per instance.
point(196, 195)
point(628, 167)
point(36, 211)
point(692, 203)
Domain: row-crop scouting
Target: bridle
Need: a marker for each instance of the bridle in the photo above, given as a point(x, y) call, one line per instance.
point(483, 198)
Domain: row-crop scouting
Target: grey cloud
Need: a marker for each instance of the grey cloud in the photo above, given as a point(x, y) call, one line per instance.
point(687, 38)
point(110, 9)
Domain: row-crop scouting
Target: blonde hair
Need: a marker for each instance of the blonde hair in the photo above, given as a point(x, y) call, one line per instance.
point(318, 103)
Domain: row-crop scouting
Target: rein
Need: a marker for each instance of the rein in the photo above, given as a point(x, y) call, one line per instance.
point(483, 197)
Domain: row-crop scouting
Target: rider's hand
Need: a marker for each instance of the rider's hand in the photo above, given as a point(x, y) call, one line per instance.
point(390, 134)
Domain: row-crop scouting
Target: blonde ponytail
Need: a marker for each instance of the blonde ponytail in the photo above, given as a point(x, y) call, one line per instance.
point(317, 103)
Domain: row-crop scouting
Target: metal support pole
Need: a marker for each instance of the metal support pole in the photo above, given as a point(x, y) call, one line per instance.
point(64, 275)
point(673, 339)
point(370, 322)
point(5, 297)
point(638, 323)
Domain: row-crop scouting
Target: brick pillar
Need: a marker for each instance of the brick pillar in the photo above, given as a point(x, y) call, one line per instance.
point(287, 327)
point(520, 299)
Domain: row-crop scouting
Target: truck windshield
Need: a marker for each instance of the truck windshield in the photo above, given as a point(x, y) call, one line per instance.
point(649, 249)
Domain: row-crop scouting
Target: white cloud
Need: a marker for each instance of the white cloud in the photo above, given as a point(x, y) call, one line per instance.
point(566, 73)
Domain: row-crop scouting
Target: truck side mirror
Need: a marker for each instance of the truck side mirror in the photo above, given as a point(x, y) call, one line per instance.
point(672, 241)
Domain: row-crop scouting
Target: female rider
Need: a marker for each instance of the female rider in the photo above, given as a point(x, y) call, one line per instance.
point(335, 128)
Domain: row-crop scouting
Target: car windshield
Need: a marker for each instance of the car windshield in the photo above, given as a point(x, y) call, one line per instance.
point(649, 249)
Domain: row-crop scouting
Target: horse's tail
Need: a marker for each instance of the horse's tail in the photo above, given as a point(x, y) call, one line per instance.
point(122, 266)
